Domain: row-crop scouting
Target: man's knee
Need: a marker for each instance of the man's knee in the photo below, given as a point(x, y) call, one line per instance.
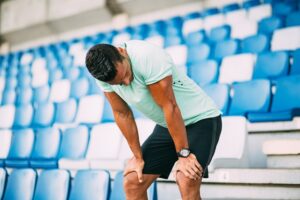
point(186, 182)
point(131, 183)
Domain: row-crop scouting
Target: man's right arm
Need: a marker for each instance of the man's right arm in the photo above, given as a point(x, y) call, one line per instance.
point(125, 121)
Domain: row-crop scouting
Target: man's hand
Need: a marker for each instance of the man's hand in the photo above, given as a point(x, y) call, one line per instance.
point(135, 165)
point(190, 167)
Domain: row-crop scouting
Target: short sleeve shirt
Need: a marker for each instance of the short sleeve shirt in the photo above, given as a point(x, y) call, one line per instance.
point(151, 64)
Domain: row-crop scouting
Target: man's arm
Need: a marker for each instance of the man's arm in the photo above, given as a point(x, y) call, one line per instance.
point(125, 121)
point(163, 95)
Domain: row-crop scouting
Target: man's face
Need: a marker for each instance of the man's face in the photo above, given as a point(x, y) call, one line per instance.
point(124, 74)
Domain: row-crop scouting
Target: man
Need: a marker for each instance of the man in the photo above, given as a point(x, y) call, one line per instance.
point(188, 123)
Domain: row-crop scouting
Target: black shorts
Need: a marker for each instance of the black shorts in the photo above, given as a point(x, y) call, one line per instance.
point(159, 151)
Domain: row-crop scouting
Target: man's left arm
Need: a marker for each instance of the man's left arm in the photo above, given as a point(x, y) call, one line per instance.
point(163, 95)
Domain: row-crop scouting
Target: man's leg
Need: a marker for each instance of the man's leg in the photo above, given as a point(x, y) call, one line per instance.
point(136, 190)
point(189, 188)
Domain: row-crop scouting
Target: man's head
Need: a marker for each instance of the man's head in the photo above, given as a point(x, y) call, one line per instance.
point(109, 64)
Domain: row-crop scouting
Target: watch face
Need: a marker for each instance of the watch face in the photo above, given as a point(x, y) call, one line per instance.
point(185, 152)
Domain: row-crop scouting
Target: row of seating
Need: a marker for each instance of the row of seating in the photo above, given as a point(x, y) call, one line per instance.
point(27, 184)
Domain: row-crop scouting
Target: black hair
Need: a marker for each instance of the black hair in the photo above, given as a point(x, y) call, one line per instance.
point(100, 61)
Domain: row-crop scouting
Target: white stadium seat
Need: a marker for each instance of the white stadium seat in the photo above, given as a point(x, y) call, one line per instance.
point(178, 54)
point(5, 141)
point(121, 38)
point(286, 39)
point(192, 25)
point(156, 40)
point(234, 17)
point(60, 90)
point(7, 116)
point(243, 29)
point(213, 21)
point(257, 13)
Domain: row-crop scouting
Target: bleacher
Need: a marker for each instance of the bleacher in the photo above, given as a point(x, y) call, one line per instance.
point(58, 138)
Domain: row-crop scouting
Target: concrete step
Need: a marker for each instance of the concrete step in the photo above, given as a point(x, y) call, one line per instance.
point(242, 184)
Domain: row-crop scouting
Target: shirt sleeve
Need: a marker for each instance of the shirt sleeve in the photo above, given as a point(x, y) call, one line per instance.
point(158, 66)
point(105, 87)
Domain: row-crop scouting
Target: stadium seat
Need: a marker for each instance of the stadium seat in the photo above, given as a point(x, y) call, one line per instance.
point(104, 146)
point(280, 42)
point(107, 115)
point(231, 151)
point(156, 40)
point(285, 103)
point(220, 94)
point(192, 25)
point(245, 98)
point(226, 48)
point(91, 184)
point(5, 135)
point(195, 38)
point(9, 96)
point(79, 88)
point(3, 178)
point(178, 54)
point(236, 68)
point(73, 146)
point(52, 184)
point(198, 52)
point(269, 24)
point(43, 115)
point(24, 96)
point(11, 83)
point(243, 29)
point(60, 91)
point(66, 111)
point(7, 116)
point(26, 58)
point(204, 72)
point(295, 67)
point(40, 78)
point(23, 116)
point(271, 65)
point(90, 109)
point(24, 81)
point(293, 19)
point(20, 185)
point(118, 193)
point(20, 149)
point(250, 3)
point(230, 7)
point(210, 11)
point(235, 17)
point(173, 40)
point(219, 33)
point(45, 149)
point(41, 94)
point(260, 12)
point(55, 74)
point(255, 44)
point(120, 38)
point(282, 9)
point(213, 21)
point(71, 73)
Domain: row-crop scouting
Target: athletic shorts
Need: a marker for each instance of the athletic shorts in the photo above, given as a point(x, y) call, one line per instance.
point(159, 151)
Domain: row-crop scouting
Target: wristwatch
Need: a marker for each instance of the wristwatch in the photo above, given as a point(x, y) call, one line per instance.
point(184, 153)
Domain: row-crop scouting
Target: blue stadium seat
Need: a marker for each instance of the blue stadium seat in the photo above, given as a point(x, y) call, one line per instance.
point(43, 115)
point(118, 193)
point(23, 116)
point(55, 74)
point(66, 111)
point(9, 96)
point(20, 185)
point(250, 3)
point(24, 96)
point(91, 185)
point(195, 38)
point(204, 72)
point(225, 48)
point(250, 96)
point(79, 88)
point(295, 68)
point(5, 135)
point(255, 44)
point(269, 25)
point(172, 40)
point(20, 149)
point(74, 143)
point(282, 9)
point(24, 81)
point(285, 103)
point(45, 149)
point(11, 83)
point(41, 94)
point(52, 184)
point(271, 65)
point(230, 7)
point(108, 115)
point(197, 53)
point(293, 19)
point(219, 33)
point(2, 181)
point(210, 11)
point(71, 73)
point(220, 94)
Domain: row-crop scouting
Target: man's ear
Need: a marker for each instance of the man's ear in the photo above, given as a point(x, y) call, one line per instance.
point(122, 51)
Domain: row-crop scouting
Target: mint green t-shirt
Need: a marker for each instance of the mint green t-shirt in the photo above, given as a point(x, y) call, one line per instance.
point(151, 64)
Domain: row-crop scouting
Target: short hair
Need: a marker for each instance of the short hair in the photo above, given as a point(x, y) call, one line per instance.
point(100, 61)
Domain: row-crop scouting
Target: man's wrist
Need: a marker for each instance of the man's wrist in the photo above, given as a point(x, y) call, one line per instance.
point(184, 153)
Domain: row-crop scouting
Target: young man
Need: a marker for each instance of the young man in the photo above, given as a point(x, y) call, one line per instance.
point(188, 122)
